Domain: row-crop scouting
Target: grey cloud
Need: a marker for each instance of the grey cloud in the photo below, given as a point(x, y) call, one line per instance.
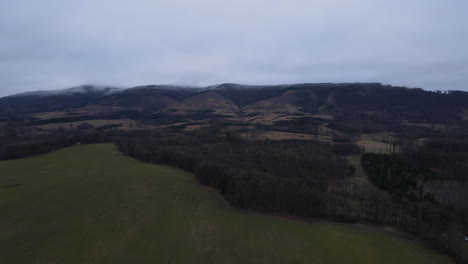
point(54, 44)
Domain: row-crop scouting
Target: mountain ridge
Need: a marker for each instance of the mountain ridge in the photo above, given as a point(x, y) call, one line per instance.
point(90, 88)
point(370, 107)
point(81, 89)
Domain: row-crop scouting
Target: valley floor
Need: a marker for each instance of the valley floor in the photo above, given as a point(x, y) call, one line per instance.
point(90, 204)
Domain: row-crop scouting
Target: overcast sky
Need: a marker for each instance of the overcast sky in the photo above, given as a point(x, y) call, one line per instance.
point(52, 44)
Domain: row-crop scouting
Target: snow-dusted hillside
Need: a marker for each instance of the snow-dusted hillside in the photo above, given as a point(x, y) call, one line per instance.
point(163, 87)
point(82, 89)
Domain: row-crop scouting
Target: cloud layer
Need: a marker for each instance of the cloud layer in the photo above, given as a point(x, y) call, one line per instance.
point(53, 44)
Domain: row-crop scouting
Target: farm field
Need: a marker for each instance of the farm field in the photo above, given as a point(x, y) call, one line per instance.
point(90, 204)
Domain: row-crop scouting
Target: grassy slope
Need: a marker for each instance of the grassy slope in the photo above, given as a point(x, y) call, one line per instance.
point(89, 204)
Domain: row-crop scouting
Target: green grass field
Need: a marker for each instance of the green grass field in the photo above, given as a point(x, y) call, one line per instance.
point(90, 204)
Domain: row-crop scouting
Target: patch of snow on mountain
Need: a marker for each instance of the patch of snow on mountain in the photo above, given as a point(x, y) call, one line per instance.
point(145, 88)
point(83, 89)
point(235, 86)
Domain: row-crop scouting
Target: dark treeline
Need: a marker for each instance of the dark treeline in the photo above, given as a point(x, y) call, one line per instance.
point(280, 177)
point(437, 202)
point(449, 157)
point(25, 146)
point(398, 176)
point(446, 155)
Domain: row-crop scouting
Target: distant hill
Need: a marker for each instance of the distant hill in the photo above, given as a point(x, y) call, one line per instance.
point(53, 100)
point(348, 107)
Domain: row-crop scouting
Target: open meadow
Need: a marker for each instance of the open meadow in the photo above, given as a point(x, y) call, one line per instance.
point(90, 204)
